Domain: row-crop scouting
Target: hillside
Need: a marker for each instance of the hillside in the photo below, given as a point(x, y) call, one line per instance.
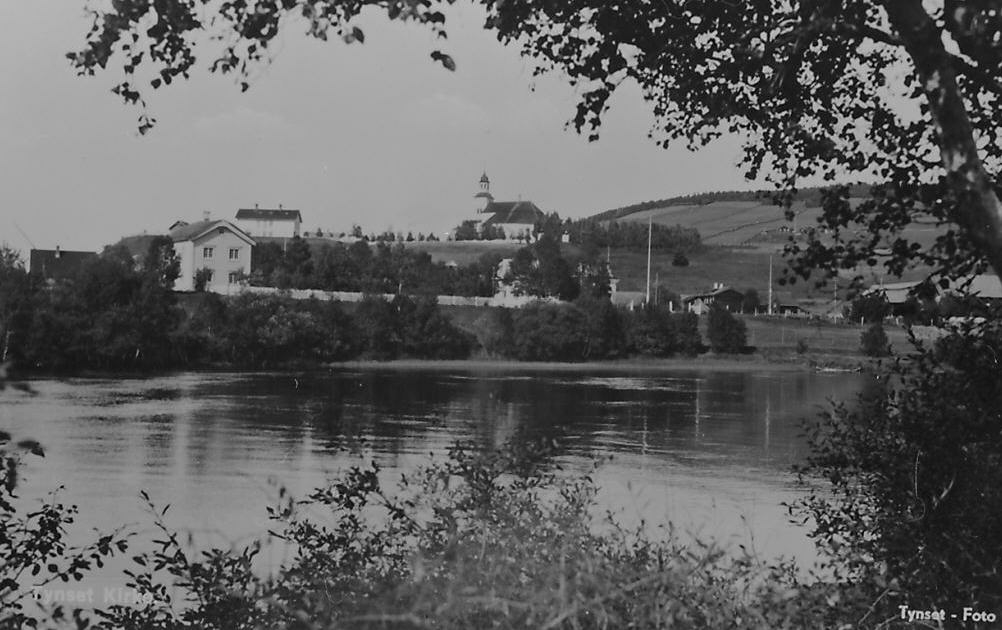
point(743, 219)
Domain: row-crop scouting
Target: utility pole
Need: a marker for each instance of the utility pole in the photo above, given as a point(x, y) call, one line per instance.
point(769, 310)
point(650, 230)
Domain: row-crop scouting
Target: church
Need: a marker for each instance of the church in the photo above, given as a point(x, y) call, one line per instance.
point(516, 219)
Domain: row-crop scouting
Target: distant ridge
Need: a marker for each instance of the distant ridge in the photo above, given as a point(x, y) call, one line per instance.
point(809, 197)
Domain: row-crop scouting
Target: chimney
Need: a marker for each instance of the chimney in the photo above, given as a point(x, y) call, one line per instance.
point(206, 215)
point(58, 253)
point(279, 206)
point(255, 206)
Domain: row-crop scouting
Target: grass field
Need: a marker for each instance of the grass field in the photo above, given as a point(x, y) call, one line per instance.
point(750, 223)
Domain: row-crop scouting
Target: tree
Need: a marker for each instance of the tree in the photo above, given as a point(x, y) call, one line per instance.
point(873, 342)
point(540, 270)
point(467, 231)
point(869, 308)
point(15, 301)
point(930, 435)
point(725, 331)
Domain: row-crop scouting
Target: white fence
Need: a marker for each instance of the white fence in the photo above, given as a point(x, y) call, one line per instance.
point(505, 301)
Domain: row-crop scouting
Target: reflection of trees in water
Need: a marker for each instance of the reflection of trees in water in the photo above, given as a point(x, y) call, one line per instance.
point(744, 415)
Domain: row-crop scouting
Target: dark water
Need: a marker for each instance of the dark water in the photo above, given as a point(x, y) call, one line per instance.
point(710, 451)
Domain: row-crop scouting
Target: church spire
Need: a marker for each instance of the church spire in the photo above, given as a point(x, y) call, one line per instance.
point(484, 194)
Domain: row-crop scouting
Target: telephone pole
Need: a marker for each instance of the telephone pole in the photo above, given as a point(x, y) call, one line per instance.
point(650, 230)
point(769, 310)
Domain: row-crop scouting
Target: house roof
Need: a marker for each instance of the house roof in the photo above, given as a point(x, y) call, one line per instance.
point(193, 231)
point(894, 292)
point(985, 285)
point(520, 212)
point(57, 264)
point(712, 294)
point(272, 214)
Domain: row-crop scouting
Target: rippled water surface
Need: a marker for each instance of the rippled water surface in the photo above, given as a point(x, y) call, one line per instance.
point(709, 450)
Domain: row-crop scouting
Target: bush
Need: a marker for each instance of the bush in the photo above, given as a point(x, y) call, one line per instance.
point(873, 342)
point(481, 540)
point(33, 545)
point(915, 467)
point(656, 332)
point(549, 332)
point(727, 334)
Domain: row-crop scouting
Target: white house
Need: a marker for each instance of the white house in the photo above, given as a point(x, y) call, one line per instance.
point(220, 247)
point(269, 221)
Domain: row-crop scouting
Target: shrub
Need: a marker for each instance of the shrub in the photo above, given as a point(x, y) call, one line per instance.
point(33, 547)
point(481, 540)
point(549, 332)
point(915, 502)
point(727, 334)
point(802, 346)
point(651, 332)
point(873, 342)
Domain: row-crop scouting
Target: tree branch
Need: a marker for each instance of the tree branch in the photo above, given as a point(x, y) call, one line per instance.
point(976, 209)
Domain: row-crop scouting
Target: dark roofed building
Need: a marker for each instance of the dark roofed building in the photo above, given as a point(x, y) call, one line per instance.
point(269, 221)
point(56, 264)
point(727, 297)
point(516, 218)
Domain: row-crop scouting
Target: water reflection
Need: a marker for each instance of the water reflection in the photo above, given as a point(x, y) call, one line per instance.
point(709, 450)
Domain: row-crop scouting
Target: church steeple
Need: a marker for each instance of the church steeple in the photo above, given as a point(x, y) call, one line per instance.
point(484, 195)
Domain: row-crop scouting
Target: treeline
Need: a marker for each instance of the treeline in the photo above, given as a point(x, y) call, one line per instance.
point(116, 313)
point(367, 268)
point(119, 314)
point(591, 233)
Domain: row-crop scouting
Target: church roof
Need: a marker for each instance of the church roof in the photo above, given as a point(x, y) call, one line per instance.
point(522, 212)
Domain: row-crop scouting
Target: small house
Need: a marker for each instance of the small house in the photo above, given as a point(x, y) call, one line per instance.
point(57, 264)
point(218, 247)
point(724, 296)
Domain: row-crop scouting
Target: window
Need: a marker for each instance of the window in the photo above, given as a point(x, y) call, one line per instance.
point(234, 277)
point(207, 252)
point(234, 253)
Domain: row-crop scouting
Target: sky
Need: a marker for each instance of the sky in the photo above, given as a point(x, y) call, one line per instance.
point(374, 134)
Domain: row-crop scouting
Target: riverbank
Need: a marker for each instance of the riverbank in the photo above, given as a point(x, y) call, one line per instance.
point(772, 362)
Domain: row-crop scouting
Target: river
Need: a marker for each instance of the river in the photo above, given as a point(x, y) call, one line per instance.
point(707, 450)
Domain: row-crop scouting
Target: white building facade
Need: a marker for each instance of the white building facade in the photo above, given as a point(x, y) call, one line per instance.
point(220, 248)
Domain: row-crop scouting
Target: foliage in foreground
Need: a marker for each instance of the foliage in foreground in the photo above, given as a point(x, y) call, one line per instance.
point(481, 540)
point(916, 477)
point(33, 542)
